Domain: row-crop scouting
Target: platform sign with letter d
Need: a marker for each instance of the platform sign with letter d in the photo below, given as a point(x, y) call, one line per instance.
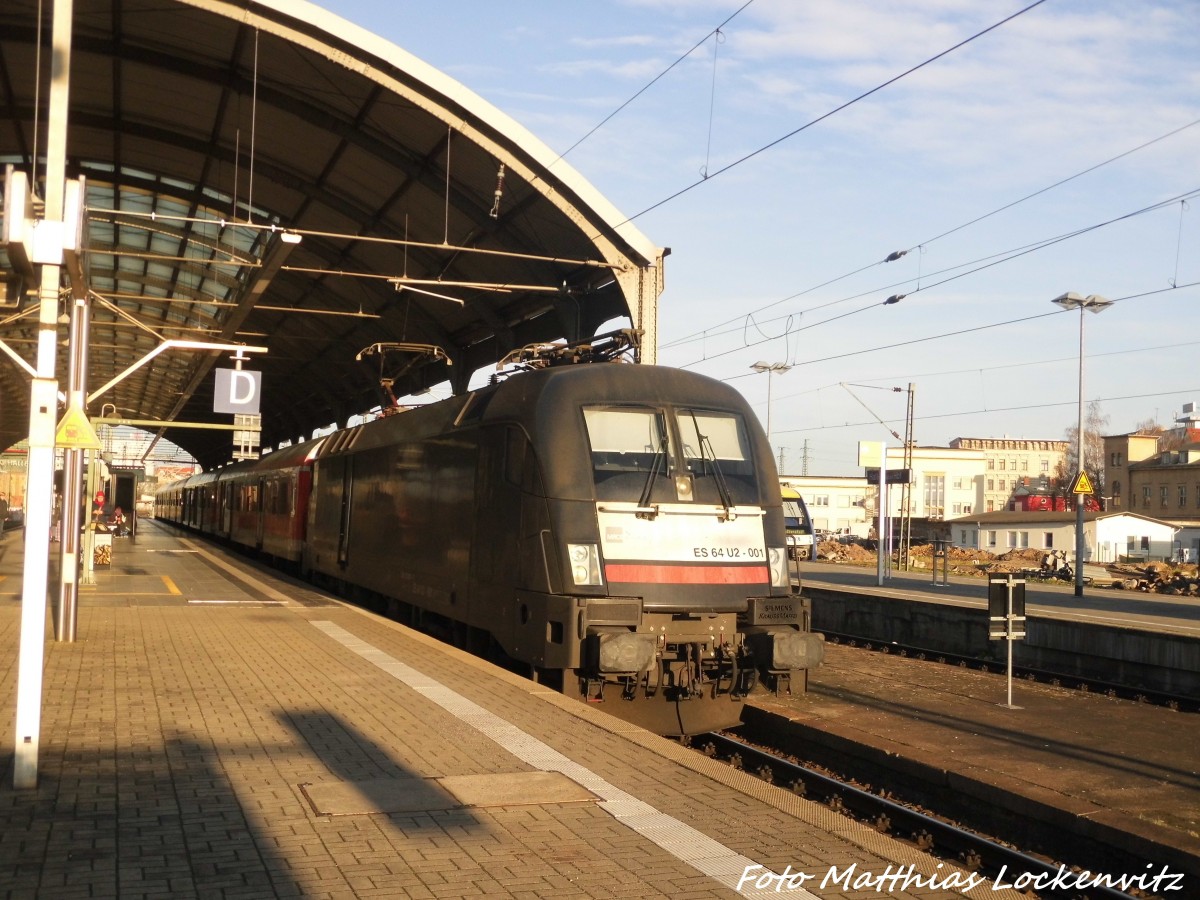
point(237, 391)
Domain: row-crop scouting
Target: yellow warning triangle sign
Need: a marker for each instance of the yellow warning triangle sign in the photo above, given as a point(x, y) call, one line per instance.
point(1082, 484)
point(75, 432)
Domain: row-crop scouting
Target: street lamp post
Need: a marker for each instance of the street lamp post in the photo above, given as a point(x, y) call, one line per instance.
point(770, 369)
point(1093, 303)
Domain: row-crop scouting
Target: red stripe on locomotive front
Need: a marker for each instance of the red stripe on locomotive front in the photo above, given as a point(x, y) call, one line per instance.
point(652, 573)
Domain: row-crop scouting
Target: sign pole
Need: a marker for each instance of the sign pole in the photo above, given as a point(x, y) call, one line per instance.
point(882, 547)
point(1006, 617)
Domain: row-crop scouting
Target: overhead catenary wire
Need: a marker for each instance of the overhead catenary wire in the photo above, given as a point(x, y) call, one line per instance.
point(846, 105)
point(971, 330)
point(986, 263)
point(653, 81)
point(1027, 364)
point(892, 257)
point(1007, 409)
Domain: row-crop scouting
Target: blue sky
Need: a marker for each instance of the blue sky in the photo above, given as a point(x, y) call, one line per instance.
point(779, 257)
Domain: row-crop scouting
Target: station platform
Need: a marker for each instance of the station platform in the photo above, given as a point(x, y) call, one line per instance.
point(217, 730)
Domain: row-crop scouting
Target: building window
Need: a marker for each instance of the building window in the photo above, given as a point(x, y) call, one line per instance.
point(1162, 496)
point(991, 506)
point(1045, 466)
point(1012, 464)
point(1025, 465)
point(991, 464)
point(1145, 495)
point(1001, 465)
point(967, 508)
point(991, 482)
point(991, 538)
point(820, 500)
point(962, 537)
point(1048, 540)
point(1012, 539)
point(1183, 495)
point(935, 495)
point(1116, 488)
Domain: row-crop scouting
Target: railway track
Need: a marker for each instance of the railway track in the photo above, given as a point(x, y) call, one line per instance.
point(990, 857)
point(1176, 702)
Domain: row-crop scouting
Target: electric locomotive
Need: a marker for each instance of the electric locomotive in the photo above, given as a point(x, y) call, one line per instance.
point(616, 528)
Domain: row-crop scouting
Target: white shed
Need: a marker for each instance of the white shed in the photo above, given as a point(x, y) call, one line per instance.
point(1108, 536)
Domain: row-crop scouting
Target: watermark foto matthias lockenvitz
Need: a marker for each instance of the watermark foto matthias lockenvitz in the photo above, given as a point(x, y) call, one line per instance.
point(894, 879)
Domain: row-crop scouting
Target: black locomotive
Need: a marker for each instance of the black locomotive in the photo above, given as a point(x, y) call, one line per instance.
point(616, 528)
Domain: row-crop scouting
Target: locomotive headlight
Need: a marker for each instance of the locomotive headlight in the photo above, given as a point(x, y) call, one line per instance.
point(777, 560)
point(585, 563)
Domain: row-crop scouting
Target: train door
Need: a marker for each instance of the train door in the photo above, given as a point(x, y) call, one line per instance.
point(226, 492)
point(260, 512)
point(343, 547)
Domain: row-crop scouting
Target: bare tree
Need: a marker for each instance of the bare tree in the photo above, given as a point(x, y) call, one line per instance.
point(1168, 438)
point(1094, 423)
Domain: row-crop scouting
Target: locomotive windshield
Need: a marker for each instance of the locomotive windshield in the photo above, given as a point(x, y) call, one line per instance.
point(635, 455)
point(716, 453)
point(632, 453)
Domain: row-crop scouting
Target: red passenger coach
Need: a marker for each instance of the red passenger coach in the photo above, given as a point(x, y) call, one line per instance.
point(259, 505)
point(265, 502)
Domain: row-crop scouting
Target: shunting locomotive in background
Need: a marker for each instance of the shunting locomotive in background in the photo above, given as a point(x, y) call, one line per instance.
point(616, 528)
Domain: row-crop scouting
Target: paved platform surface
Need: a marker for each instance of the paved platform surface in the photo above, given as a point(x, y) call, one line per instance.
point(218, 731)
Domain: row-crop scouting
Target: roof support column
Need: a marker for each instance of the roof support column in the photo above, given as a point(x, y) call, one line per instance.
point(43, 414)
point(642, 287)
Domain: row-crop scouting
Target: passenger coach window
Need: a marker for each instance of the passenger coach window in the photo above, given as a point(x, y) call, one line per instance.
point(630, 450)
point(715, 445)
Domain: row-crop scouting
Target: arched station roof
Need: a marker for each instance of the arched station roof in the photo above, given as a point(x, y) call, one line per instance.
point(211, 134)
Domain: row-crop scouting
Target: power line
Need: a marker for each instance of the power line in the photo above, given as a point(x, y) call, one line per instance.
point(834, 111)
point(652, 82)
point(701, 335)
point(1161, 137)
point(987, 263)
point(1005, 409)
point(947, 334)
point(981, 369)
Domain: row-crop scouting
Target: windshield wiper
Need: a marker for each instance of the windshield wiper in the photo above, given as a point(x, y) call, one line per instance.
point(658, 463)
point(718, 475)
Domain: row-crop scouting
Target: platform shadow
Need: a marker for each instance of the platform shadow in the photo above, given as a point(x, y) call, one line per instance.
point(165, 819)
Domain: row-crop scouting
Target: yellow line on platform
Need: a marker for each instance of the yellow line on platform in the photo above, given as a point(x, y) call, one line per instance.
point(171, 585)
point(127, 594)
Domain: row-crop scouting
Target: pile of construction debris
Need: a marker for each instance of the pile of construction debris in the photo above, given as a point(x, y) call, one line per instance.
point(837, 551)
point(1158, 577)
